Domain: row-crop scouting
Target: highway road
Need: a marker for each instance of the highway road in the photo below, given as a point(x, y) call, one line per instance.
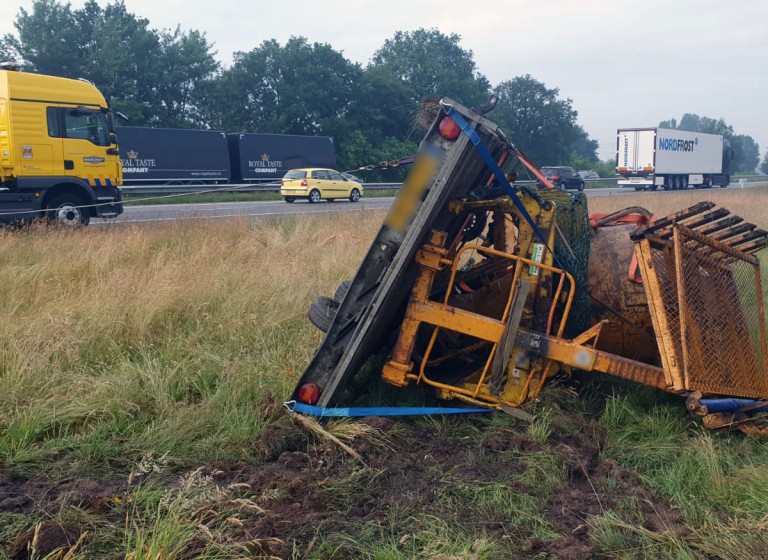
point(229, 210)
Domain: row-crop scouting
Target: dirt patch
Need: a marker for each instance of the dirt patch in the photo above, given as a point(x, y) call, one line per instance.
point(309, 490)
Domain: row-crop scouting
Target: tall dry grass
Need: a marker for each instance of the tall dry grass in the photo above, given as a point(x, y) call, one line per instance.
point(119, 343)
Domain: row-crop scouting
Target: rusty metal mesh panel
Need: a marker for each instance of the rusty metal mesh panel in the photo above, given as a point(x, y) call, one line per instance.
point(723, 334)
point(664, 267)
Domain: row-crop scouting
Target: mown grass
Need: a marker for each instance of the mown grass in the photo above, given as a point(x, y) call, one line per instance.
point(140, 351)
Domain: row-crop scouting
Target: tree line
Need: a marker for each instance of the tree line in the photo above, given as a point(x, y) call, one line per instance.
point(171, 78)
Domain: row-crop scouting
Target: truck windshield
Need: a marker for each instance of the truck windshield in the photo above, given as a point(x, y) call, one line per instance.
point(91, 127)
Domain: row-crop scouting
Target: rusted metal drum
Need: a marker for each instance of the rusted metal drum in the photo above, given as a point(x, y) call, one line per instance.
point(617, 299)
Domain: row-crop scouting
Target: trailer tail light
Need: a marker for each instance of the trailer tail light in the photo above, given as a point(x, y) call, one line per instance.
point(304, 183)
point(647, 168)
point(309, 393)
point(449, 129)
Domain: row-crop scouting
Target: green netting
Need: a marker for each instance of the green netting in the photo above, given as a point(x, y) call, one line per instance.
point(572, 250)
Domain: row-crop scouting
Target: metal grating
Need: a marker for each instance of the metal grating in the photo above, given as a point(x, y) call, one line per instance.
point(705, 296)
point(721, 314)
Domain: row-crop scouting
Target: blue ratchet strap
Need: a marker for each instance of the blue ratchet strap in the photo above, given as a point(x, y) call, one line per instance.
point(294, 406)
point(495, 169)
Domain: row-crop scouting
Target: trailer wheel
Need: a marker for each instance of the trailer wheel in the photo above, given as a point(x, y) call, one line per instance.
point(322, 311)
point(67, 210)
point(638, 189)
point(654, 187)
point(314, 196)
point(354, 196)
point(342, 290)
point(290, 199)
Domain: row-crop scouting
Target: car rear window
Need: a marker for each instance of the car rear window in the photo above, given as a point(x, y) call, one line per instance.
point(295, 174)
point(547, 170)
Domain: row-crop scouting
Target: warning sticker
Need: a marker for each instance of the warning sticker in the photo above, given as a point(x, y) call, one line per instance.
point(536, 256)
point(26, 152)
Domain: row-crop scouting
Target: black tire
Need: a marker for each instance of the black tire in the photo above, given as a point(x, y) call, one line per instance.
point(354, 196)
point(322, 311)
point(726, 182)
point(314, 196)
point(290, 199)
point(341, 291)
point(654, 187)
point(581, 186)
point(562, 186)
point(67, 210)
point(638, 189)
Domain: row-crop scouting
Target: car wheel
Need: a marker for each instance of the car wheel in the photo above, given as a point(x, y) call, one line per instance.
point(581, 186)
point(354, 196)
point(314, 196)
point(322, 311)
point(561, 186)
point(290, 199)
point(67, 210)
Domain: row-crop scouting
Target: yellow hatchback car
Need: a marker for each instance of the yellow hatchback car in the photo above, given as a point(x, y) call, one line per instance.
point(315, 184)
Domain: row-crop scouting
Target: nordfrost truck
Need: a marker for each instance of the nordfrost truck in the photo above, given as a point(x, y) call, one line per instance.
point(649, 158)
point(58, 150)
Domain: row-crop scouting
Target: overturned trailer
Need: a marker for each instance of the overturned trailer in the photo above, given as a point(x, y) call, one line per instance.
point(485, 290)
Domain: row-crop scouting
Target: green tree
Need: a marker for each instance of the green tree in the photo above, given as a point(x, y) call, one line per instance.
point(145, 74)
point(764, 165)
point(746, 154)
point(299, 88)
point(537, 120)
point(694, 123)
point(188, 67)
point(432, 64)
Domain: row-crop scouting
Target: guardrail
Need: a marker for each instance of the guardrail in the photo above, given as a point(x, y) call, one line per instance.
point(135, 190)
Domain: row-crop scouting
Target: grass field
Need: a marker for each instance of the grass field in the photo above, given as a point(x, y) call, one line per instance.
point(141, 376)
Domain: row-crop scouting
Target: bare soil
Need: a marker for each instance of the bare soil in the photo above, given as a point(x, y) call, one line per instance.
point(309, 490)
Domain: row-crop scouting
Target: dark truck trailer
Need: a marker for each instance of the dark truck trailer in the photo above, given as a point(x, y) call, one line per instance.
point(173, 155)
point(267, 157)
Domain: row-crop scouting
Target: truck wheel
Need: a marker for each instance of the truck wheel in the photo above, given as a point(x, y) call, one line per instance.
point(290, 199)
point(354, 196)
point(314, 196)
point(322, 311)
point(67, 210)
point(726, 182)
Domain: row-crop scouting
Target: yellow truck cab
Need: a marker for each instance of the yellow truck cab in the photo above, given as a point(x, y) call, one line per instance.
point(58, 150)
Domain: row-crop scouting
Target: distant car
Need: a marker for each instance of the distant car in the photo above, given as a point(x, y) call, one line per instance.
point(588, 175)
point(563, 177)
point(315, 184)
point(354, 178)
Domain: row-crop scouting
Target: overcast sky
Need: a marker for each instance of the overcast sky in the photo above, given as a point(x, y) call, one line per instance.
point(623, 63)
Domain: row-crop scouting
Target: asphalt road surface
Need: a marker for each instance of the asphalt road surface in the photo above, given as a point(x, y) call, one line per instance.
point(229, 210)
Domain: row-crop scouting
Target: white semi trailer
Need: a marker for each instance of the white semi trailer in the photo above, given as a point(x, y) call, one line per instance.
point(649, 158)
